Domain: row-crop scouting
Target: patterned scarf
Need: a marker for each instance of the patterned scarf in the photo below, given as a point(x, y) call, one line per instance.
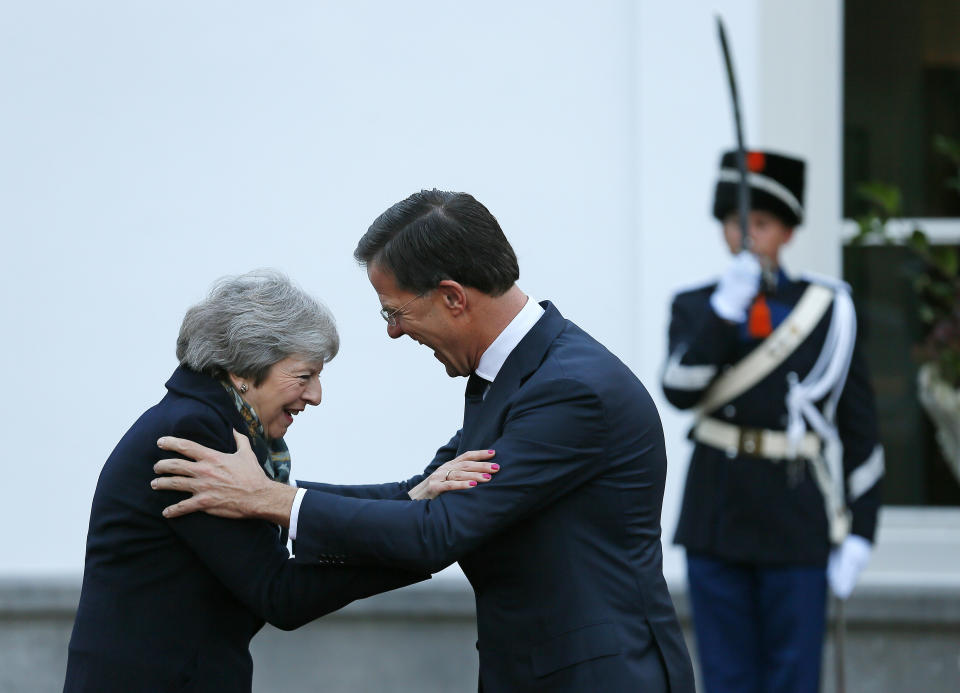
point(273, 452)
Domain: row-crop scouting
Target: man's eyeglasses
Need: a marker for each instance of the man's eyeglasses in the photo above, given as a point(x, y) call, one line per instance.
point(393, 316)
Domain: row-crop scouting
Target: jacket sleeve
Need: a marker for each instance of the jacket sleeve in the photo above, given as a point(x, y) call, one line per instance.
point(863, 463)
point(701, 343)
point(551, 442)
point(248, 557)
point(397, 490)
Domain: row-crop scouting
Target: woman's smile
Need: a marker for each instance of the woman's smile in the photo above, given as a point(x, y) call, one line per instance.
point(290, 385)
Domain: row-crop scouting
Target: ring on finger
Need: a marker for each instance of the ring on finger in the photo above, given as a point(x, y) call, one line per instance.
point(447, 477)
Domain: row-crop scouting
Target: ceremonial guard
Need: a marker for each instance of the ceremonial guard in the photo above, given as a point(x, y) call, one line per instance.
point(783, 487)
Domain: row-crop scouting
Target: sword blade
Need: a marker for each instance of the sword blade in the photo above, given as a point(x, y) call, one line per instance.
point(743, 189)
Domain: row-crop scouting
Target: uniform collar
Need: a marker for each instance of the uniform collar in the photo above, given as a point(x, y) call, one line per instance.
point(783, 279)
point(493, 358)
point(784, 282)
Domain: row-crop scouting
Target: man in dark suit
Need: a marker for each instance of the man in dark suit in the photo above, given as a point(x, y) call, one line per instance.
point(563, 547)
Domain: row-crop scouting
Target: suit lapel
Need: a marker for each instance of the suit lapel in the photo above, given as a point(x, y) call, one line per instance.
point(481, 424)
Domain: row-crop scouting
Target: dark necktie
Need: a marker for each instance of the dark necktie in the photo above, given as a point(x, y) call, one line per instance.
point(473, 398)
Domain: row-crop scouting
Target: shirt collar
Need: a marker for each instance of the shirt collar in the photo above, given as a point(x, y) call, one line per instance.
point(496, 354)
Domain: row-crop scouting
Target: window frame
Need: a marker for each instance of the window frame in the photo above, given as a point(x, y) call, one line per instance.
point(801, 58)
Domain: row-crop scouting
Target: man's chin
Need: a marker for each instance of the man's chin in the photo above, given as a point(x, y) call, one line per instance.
point(452, 371)
point(449, 367)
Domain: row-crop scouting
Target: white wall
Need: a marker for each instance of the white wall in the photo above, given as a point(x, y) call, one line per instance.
point(801, 79)
point(146, 149)
point(685, 121)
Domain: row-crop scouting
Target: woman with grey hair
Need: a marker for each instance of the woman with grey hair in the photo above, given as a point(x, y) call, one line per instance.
point(171, 605)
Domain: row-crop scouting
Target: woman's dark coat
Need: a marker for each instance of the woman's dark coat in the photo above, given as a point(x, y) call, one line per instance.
point(171, 605)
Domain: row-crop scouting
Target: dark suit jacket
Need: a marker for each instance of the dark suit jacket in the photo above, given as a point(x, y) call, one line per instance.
point(562, 547)
point(171, 605)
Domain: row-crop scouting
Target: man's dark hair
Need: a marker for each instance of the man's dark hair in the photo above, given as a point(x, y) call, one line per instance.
point(435, 235)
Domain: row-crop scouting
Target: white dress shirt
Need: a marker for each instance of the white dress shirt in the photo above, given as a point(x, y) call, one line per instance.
point(493, 358)
point(490, 364)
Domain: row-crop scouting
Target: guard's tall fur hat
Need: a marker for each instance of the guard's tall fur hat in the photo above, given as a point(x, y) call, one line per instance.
point(776, 185)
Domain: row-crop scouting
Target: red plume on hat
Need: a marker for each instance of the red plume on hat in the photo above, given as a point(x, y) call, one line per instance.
point(756, 161)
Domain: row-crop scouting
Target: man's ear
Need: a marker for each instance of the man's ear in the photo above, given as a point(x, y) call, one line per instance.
point(453, 295)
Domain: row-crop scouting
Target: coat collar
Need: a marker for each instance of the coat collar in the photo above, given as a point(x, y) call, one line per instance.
point(187, 382)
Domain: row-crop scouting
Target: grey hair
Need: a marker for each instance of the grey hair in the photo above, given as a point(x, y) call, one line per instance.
point(249, 322)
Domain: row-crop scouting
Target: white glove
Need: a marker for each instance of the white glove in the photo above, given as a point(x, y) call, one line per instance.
point(846, 563)
point(737, 288)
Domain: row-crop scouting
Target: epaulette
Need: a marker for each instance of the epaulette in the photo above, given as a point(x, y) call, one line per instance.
point(824, 280)
point(700, 286)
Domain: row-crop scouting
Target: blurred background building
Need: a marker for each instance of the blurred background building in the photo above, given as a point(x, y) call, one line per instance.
point(261, 134)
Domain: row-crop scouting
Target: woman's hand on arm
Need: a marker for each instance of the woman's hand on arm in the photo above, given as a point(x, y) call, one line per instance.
point(463, 472)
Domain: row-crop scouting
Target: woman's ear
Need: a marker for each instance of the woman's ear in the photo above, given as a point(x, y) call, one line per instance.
point(237, 382)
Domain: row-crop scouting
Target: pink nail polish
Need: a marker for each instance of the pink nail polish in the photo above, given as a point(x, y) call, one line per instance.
point(491, 451)
point(473, 483)
point(487, 476)
point(494, 467)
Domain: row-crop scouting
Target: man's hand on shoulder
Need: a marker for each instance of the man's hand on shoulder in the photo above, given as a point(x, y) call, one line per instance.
point(222, 484)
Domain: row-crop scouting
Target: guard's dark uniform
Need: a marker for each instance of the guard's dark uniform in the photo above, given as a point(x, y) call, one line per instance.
point(755, 526)
point(747, 508)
